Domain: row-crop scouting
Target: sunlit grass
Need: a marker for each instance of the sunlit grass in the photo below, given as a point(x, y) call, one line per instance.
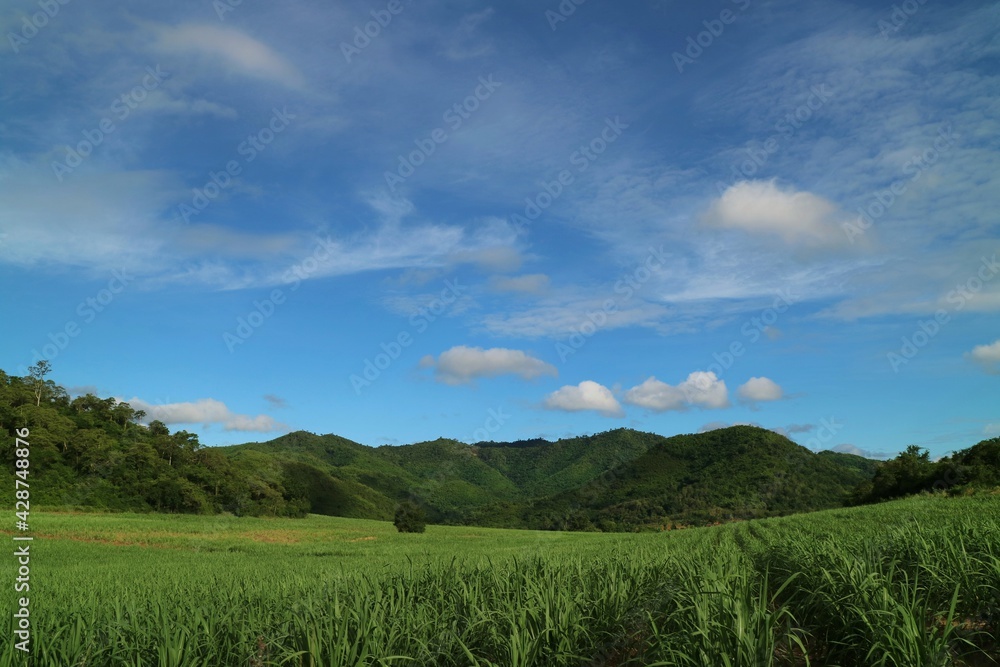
point(907, 583)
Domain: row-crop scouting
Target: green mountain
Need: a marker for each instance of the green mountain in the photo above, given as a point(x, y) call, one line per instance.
point(740, 472)
point(94, 452)
point(617, 480)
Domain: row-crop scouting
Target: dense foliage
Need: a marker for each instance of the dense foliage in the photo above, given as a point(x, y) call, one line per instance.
point(913, 472)
point(93, 452)
point(901, 584)
point(409, 518)
point(620, 480)
point(97, 452)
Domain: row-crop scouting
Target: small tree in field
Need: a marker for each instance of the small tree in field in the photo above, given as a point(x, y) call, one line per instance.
point(409, 518)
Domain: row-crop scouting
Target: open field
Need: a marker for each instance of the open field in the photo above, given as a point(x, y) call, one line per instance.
point(906, 583)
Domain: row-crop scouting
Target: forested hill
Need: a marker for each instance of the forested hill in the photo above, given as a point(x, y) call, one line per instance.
point(91, 451)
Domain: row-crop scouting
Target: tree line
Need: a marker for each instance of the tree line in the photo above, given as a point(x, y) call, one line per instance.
point(95, 452)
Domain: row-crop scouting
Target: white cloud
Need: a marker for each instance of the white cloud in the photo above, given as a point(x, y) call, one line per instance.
point(587, 395)
point(700, 389)
point(461, 364)
point(234, 49)
point(760, 390)
point(761, 207)
point(987, 356)
point(98, 221)
point(106, 220)
point(206, 411)
point(532, 283)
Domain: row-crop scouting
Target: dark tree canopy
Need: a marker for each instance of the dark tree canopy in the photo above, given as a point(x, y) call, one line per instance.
point(410, 518)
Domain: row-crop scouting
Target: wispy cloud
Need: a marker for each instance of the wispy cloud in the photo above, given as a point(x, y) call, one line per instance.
point(229, 49)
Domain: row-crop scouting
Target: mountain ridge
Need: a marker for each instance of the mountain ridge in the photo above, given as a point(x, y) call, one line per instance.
point(645, 478)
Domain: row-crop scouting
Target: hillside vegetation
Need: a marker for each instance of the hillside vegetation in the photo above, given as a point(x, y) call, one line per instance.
point(95, 452)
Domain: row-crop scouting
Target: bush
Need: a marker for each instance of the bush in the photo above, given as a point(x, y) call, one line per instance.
point(410, 518)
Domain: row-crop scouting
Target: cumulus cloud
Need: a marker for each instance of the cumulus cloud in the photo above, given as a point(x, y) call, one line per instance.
point(233, 49)
point(987, 356)
point(461, 364)
point(588, 395)
point(701, 389)
point(760, 390)
point(761, 207)
point(206, 411)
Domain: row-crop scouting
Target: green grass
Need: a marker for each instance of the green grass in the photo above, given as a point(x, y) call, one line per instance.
point(910, 583)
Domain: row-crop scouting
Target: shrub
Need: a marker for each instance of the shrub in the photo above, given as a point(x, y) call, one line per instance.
point(410, 518)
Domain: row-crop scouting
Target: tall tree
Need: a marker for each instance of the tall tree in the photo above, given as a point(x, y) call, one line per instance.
point(37, 374)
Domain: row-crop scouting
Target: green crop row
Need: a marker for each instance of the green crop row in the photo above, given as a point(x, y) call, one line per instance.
point(910, 584)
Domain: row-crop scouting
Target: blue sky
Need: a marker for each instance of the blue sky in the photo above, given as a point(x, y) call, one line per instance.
point(396, 221)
